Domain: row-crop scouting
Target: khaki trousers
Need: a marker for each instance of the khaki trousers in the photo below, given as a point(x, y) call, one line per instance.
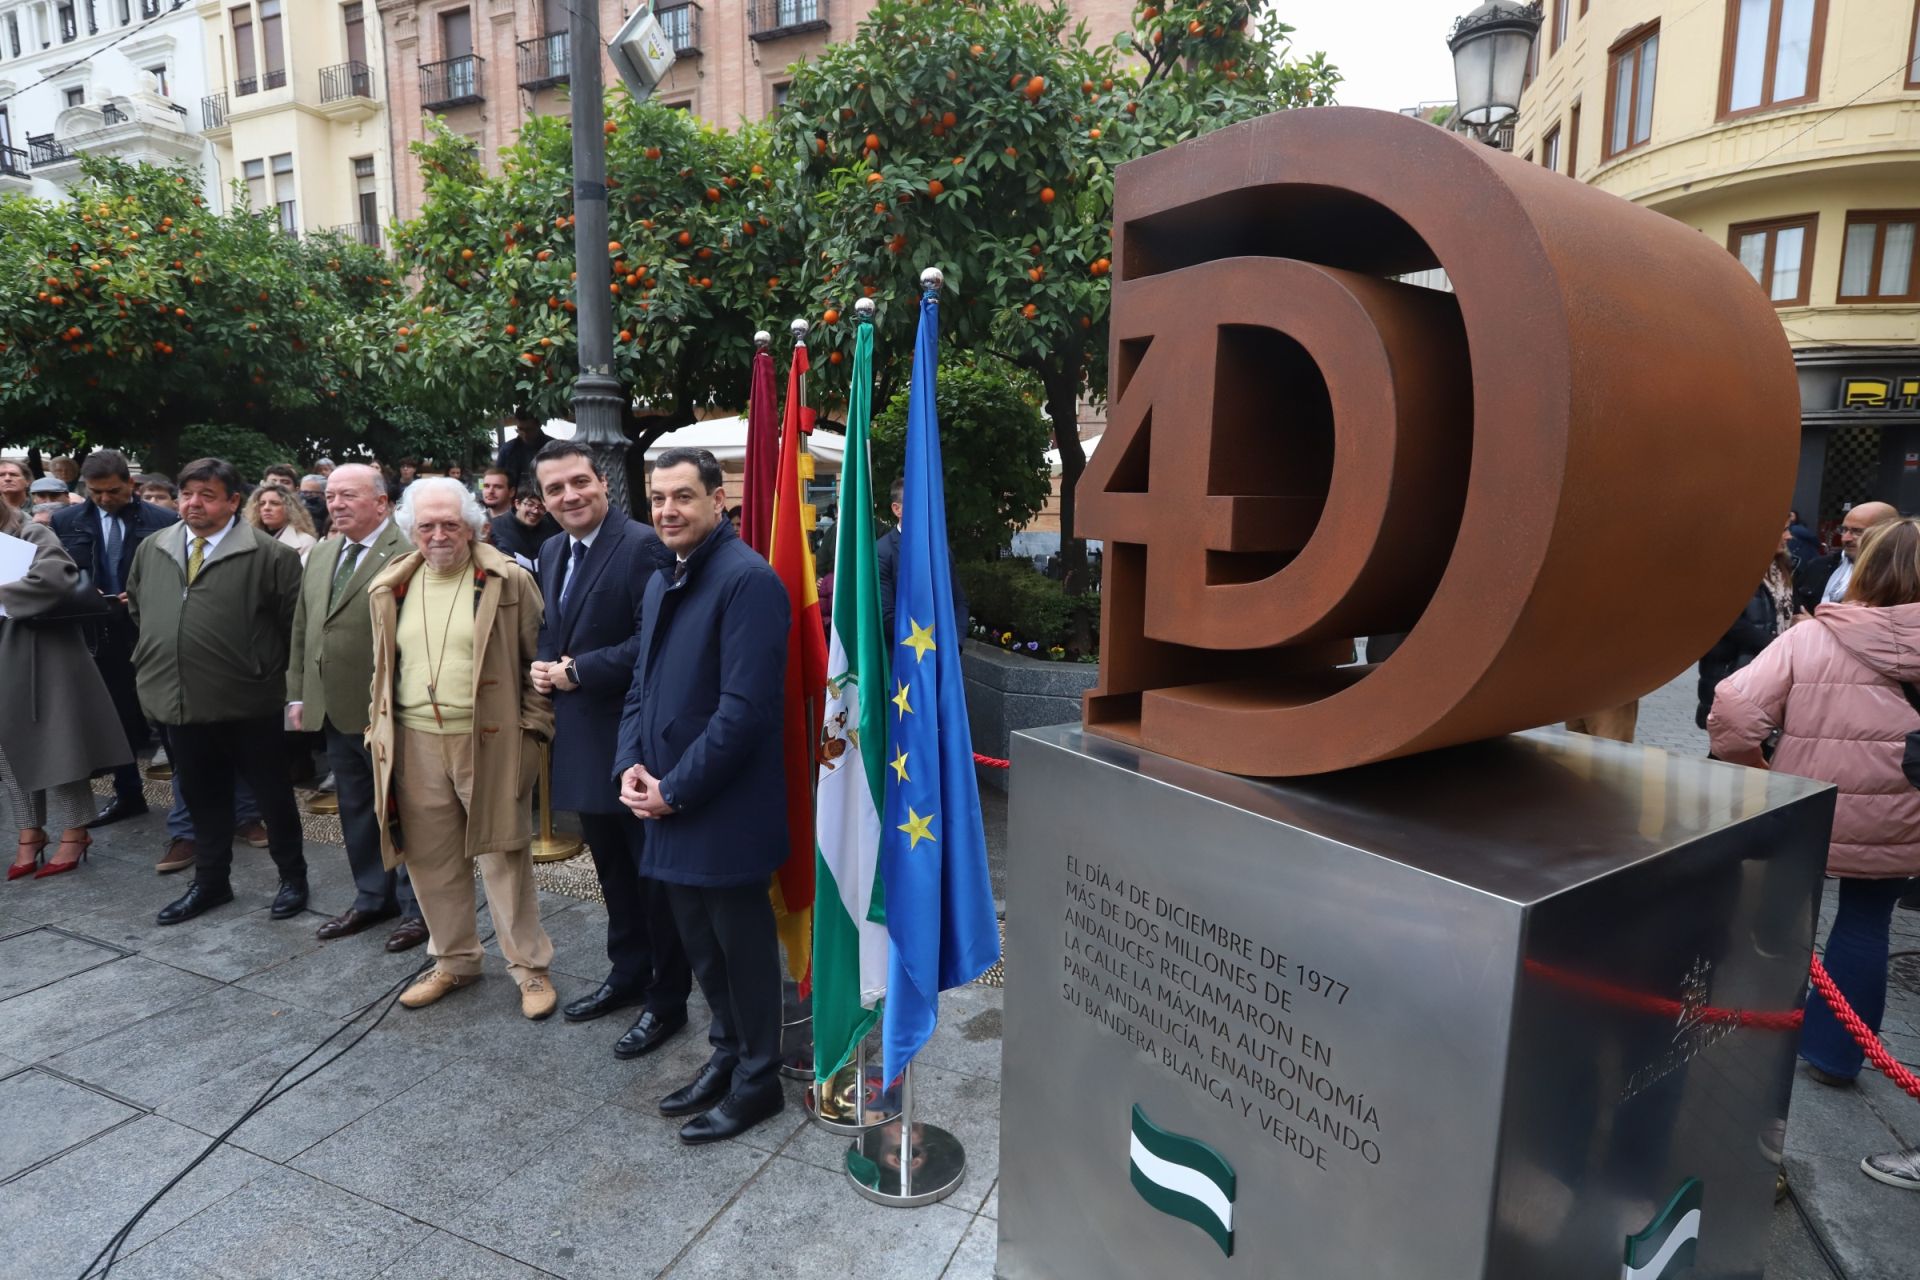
point(433, 786)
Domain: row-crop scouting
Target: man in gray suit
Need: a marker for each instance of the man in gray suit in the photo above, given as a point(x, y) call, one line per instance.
point(329, 678)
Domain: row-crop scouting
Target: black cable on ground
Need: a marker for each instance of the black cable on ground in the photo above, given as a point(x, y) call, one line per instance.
point(111, 1249)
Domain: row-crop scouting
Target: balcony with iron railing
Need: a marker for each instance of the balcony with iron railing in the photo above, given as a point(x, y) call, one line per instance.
point(213, 112)
point(274, 79)
point(288, 216)
point(367, 233)
point(681, 24)
point(775, 19)
point(14, 164)
point(246, 85)
point(43, 150)
point(345, 81)
point(544, 60)
point(452, 83)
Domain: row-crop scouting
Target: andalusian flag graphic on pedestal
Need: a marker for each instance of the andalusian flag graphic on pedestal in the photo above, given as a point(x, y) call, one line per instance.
point(1182, 1177)
point(1667, 1245)
point(849, 931)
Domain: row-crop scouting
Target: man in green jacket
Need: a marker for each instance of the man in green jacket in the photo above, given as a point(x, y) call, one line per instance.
point(214, 600)
point(328, 687)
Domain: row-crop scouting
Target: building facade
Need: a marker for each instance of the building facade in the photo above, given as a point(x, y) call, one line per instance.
point(115, 77)
point(1788, 131)
point(297, 111)
point(487, 65)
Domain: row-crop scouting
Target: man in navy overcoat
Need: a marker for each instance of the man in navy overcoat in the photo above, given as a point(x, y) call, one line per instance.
point(592, 575)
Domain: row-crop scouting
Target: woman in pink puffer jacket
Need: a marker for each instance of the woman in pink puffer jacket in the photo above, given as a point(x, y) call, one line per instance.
point(1832, 687)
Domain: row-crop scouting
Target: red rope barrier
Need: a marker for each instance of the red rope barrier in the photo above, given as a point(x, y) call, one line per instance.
point(1876, 1052)
point(988, 762)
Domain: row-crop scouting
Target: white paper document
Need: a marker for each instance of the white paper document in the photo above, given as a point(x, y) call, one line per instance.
point(16, 557)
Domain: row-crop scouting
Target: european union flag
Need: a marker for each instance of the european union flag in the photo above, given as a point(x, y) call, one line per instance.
point(933, 849)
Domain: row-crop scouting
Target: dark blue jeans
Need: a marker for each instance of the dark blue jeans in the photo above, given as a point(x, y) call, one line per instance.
point(1856, 956)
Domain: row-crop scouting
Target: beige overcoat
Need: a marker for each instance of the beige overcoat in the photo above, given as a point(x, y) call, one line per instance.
point(510, 718)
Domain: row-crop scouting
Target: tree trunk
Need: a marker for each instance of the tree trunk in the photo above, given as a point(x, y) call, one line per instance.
point(1062, 382)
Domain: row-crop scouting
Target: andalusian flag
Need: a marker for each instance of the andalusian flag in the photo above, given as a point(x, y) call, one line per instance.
point(792, 559)
point(1666, 1246)
point(1182, 1177)
point(849, 933)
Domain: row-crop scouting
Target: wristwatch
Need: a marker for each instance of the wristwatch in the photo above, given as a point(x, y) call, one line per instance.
point(573, 674)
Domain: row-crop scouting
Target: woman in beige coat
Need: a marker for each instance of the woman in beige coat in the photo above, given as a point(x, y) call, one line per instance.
point(455, 733)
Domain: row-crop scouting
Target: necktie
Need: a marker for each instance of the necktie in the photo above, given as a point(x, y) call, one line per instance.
point(679, 571)
point(110, 558)
point(573, 571)
point(196, 559)
point(349, 561)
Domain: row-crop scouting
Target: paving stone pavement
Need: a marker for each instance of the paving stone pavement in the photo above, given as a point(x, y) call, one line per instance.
point(459, 1142)
point(462, 1143)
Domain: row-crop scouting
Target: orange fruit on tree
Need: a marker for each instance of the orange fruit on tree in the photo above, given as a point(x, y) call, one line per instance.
point(935, 187)
point(830, 317)
point(833, 358)
point(466, 255)
point(873, 178)
point(653, 153)
point(873, 142)
point(949, 119)
point(684, 239)
point(613, 246)
point(713, 193)
point(1029, 311)
point(1046, 195)
point(1036, 87)
point(626, 335)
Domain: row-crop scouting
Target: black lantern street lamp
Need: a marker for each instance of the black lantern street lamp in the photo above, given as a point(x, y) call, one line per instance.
point(1491, 47)
point(642, 54)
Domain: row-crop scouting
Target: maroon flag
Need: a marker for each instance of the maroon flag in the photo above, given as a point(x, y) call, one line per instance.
point(763, 458)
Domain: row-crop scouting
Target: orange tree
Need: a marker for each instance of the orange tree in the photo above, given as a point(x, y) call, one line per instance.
point(701, 255)
point(132, 312)
point(982, 138)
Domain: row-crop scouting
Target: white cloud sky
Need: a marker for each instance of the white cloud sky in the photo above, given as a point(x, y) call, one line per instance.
point(1393, 53)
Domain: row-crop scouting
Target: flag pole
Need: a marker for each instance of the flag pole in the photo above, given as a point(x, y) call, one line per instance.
point(907, 1162)
point(838, 1104)
point(796, 1033)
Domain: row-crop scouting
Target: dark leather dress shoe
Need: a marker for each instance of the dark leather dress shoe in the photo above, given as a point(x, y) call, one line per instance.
point(197, 899)
point(648, 1032)
point(117, 809)
point(350, 922)
point(707, 1088)
point(290, 901)
point(411, 933)
point(733, 1117)
point(600, 1002)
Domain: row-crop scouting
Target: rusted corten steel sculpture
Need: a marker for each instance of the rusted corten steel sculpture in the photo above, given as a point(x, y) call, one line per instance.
point(1561, 481)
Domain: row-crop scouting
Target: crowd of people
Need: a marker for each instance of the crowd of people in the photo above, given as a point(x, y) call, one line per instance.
point(434, 638)
point(1817, 677)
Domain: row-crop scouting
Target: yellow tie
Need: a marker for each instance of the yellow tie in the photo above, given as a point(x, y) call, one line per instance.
point(195, 559)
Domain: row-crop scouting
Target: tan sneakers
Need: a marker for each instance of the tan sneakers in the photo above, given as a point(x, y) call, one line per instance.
point(538, 998)
point(436, 982)
point(178, 857)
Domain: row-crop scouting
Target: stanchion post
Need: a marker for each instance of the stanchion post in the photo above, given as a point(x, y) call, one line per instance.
point(548, 847)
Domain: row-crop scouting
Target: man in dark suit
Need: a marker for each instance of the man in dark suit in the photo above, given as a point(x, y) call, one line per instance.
point(700, 758)
point(101, 535)
point(593, 575)
point(329, 682)
point(516, 455)
point(1824, 579)
point(886, 555)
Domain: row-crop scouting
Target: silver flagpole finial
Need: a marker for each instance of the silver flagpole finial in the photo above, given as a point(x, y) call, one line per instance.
point(931, 280)
point(863, 310)
point(799, 330)
point(762, 340)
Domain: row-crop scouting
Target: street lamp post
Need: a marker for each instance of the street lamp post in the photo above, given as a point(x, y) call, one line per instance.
point(1491, 47)
point(644, 56)
point(598, 398)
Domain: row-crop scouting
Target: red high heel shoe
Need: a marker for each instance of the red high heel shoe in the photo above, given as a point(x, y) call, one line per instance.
point(18, 870)
point(61, 868)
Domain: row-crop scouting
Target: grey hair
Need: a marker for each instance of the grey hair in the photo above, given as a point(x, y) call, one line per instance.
point(470, 509)
point(313, 476)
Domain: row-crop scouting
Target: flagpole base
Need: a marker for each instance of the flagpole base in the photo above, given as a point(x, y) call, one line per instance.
point(796, 1033)
point(836, 1106)
point(556, 848)
point(938, 1165)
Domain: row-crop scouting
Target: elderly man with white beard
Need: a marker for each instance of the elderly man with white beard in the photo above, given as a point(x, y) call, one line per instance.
point(455, 731)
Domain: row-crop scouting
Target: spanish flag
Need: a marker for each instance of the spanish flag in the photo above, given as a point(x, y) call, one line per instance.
point(805, 695)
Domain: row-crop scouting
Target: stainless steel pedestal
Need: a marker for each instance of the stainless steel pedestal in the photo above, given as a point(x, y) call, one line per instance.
point(1479, 1013)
